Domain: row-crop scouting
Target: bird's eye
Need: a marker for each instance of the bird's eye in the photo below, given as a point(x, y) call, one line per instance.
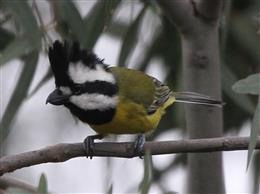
point(59, 92)
point(77, 89)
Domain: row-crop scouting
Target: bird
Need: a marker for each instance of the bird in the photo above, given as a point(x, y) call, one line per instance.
point(111, 100)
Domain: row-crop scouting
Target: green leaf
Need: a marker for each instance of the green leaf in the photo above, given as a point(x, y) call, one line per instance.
point(42, 186)
point(245, 36)
point(24, 17)
point(13, 190)
point(97, 20)
point(45, 78)
point(110, 190)
point(29, 40)
point(5, 38)
point(19, 94)
point(17, 48)
point(254, 132)
point(147, 178)
point(249, 85)
point(228, 79)
point(117, 29)
point(256, 173)
point(69, 20)
point(130, 39)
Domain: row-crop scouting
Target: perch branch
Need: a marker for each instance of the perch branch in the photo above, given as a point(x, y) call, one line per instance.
point(62, 152)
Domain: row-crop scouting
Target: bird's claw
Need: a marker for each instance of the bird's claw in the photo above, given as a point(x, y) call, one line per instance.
point(89, 144)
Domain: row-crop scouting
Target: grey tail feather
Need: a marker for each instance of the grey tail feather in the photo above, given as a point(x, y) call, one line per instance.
point(196, 98)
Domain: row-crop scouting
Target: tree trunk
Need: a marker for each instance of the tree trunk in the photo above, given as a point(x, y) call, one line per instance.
point(198, 24)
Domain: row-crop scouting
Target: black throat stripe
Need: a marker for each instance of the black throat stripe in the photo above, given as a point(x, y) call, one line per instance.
point(95, 117)
point(98, 87)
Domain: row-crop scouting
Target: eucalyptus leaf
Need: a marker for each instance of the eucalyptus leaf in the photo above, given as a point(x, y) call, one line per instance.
point(14, 190)
point(97, 20)
point(249, 85)
point(69, 20)
point(19, 94)
point(147, 178)
point(130, 39)
point(27, 22)
point(117, 29)
point(254, 132)
point(110, 190)
point(42, 186)
point(228, 79)
point(256, 173)
point(29, 39)
point(17, 48)
point(5, 38)
point(46, 77)
point(242, 31)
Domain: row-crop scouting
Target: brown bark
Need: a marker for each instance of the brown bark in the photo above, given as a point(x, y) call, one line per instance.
point(197, 21)
point(64, 152)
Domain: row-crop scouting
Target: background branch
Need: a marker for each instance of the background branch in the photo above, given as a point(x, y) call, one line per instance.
point(63, 152)
point(199, 29)
point(181, 11)
point(208, 10)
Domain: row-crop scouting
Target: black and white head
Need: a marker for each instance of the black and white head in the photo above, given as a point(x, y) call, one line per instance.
point(84, 84)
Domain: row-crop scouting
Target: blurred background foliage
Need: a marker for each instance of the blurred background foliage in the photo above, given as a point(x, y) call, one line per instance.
point(146, 37)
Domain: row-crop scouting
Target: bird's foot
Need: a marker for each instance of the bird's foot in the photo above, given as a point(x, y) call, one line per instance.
point(89, 144)
point(139, 145)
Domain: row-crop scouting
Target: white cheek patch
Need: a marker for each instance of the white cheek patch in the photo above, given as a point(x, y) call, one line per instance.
point(94, 101)
point(65, 90)
point(79, 73)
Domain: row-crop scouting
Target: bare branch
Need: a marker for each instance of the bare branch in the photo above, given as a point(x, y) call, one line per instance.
point(189, 14)
point(180, 12)
point(63, 152)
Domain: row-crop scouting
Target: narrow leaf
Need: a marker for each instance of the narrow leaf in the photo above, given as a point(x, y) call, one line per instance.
point(110, 190)
point(24, 16)
point(117, 29)
point(17, 48)
point(228, 79)
point(42, 186)
point(13, 190)
point(45, 78)
point(147, 178)
point(97, 20)
point(19, 94)
point(249, 85)
point(5, 38)
point(29, 40)
point(256, 173)
point(130, 39)
point(242, 31)
point(69, 20)
point(254, 132)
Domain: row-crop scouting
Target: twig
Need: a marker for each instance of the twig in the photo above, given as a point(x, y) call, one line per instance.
point(63, 152)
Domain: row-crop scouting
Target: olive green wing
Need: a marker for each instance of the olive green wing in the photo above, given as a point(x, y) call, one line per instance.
point(141, 88)
point(162, 94)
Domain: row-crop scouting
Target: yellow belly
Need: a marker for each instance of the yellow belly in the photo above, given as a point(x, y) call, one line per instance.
point(131, 118)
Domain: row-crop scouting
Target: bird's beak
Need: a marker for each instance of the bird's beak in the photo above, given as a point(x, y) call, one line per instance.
point(57, 98)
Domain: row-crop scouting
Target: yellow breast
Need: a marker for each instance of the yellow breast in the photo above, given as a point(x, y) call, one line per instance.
point(131, 118)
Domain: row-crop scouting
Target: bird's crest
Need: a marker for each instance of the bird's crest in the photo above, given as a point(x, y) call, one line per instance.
point(62, 54)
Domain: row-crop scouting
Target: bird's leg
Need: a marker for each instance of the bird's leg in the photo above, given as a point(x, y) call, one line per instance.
point(139, 145)
point(89, 144)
